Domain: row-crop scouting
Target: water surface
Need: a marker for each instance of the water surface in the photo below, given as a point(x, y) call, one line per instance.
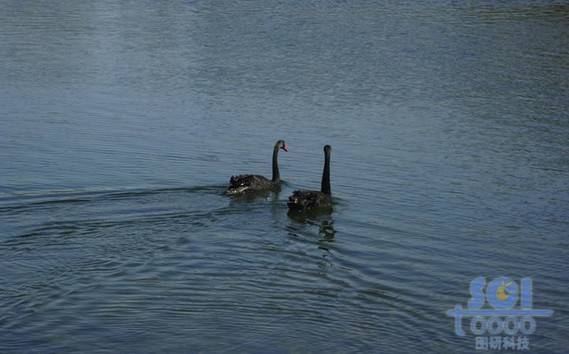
point(122, 122)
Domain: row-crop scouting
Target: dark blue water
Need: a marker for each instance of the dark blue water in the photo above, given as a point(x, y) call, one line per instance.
point(122, 121)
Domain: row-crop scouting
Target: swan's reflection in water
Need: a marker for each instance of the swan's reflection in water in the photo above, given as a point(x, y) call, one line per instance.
point(324, 221)
point(313, 235)
point(327, 232)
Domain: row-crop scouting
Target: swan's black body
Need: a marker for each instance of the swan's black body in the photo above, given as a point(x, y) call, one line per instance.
point(308, 200)
point(252, 183)
point(302, 200)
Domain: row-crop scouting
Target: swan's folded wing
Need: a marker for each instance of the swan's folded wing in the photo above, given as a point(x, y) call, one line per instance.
point(246, 180)
point(302, 200)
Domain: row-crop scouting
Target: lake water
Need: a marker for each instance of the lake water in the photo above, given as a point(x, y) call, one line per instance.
point(122, 121)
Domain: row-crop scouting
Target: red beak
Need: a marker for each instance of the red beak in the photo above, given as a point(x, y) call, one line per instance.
point(285, 147)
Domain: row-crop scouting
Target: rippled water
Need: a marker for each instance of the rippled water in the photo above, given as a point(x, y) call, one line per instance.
point(122, 122)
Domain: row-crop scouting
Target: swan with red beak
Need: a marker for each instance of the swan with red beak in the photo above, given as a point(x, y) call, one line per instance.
point(251, 183)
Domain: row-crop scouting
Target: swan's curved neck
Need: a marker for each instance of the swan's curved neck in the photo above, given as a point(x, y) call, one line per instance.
point(276, 174)
point(325, 185)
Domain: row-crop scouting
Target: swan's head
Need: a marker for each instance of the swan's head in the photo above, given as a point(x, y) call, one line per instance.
point(282, 145)
point(327, 149)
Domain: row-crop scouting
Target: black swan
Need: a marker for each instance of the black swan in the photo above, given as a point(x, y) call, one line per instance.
point(251, 183)
point(309, 200)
